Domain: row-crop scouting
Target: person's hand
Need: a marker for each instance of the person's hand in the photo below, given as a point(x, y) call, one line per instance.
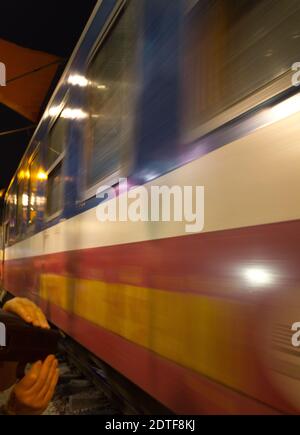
point(33, 393)
point(30, 313)
point(27, 310)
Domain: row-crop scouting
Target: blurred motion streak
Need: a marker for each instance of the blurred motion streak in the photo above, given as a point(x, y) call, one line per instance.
point(172, 93)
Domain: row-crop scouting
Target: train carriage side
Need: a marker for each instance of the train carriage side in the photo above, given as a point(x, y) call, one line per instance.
point(172, 94)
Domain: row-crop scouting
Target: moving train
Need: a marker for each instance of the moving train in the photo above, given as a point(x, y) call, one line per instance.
point(172, 93)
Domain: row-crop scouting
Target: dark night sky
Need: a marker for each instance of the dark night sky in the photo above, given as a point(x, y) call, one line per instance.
point(52, 26)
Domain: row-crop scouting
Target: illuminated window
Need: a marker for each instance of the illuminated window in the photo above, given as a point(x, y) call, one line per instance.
point(22, 200)
point(54, 190)
point(10, 216)
point(35, 169)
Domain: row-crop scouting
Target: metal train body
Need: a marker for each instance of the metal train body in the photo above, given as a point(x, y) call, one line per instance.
point(202, 322)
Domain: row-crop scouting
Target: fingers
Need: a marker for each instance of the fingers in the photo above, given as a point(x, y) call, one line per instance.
point(50, 381)
point(16, 307)
point(51, 389)
point(42, 319)
point(36, 316)
point(31, 377)
point(33, 393)
point(35, 313)
point(27, 310)
point(45, 372)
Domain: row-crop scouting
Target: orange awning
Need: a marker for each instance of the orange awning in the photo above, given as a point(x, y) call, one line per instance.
point(29, 74)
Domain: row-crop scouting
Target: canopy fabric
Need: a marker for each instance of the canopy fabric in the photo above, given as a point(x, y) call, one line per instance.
point(29, 74)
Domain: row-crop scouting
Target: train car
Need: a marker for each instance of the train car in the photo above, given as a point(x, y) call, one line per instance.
point(172, 93)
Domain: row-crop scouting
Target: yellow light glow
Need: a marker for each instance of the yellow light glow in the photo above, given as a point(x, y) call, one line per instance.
point(42, 175)
point(24, 175)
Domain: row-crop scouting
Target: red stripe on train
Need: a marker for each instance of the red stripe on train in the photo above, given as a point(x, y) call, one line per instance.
point(208, 263)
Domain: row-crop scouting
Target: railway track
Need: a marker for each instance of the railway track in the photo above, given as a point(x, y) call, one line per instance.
point(76, 394)
point(88, 386)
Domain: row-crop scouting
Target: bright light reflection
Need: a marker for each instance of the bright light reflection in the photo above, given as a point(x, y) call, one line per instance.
point(25, 200)
point(54, 111)
point(83, 82)
point(258, 276)
point(24, 174)
point(69, 113)
point(78, 80)
point(286, 108)
point(41, 175)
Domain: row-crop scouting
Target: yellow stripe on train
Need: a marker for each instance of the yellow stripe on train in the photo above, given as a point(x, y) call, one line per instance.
point(208, 335)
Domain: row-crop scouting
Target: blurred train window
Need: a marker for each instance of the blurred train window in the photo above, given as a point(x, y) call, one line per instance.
point(5, 228)
point(111, 98)
point(55, 155)
point(57, 141)
point(22, 200)
point(11, 216)
point(232, 50)
point(54, 190)
point(33, 188)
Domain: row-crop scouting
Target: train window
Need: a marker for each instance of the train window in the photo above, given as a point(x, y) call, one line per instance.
point(57, 141)
point(11, 216)
point(5, 227)
point(111, 98)
point(234, 51)
point(54, 190)
point(22, 200)
point(54, 159)
point(33, 189)
point(6, 233)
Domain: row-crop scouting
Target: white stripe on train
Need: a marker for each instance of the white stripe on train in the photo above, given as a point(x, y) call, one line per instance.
point(252, 181)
